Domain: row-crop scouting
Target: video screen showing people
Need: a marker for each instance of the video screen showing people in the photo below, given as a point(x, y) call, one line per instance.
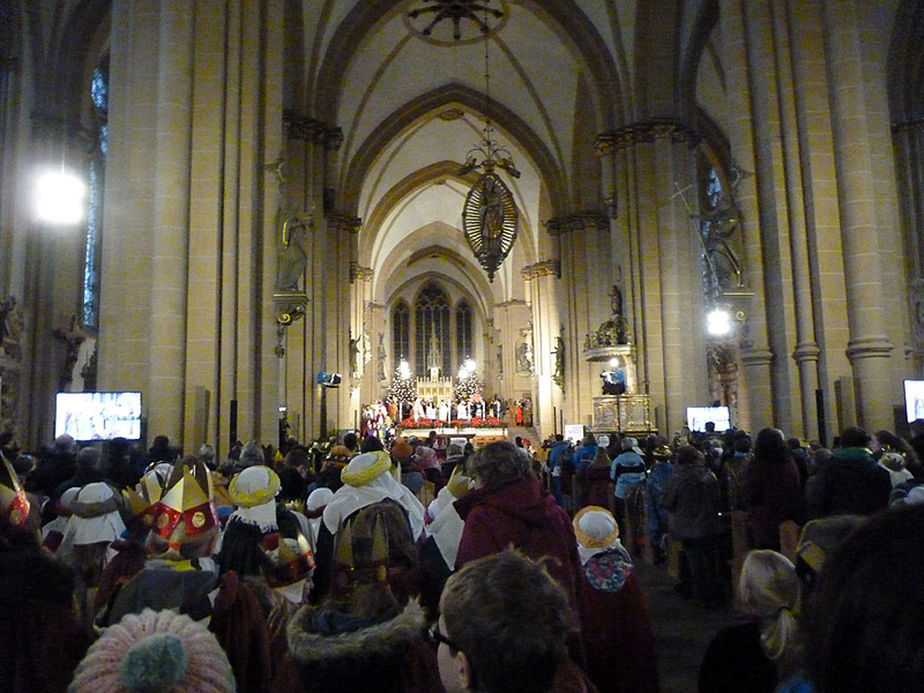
point(914, 400)
point(698, 417)
point(98, 415)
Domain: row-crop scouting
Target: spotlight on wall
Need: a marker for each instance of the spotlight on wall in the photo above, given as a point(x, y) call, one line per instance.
point(60, 197)
point(718, 322)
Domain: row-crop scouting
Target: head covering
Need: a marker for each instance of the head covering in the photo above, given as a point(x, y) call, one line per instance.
point(254, 492)
point(892, 460)
point(314, 509)
point(426, 458)
point(155, 651)
point(185, 513)
point(595, 527)
point(251, 454)
point(606, 562)
point(13, 502)
point(366, 481)
point(662, 452)
point(819, 538)
point(338, 456)
point(402, 450)
point(95, 518)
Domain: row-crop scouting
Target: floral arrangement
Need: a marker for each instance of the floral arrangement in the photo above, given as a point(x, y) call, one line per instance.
point(477, 422)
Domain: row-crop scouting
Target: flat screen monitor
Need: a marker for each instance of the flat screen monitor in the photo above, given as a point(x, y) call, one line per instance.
point(914, 400)
point(698, 416)
point(98, 415)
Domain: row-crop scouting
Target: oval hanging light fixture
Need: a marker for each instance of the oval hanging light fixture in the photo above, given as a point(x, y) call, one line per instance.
point(489, 219)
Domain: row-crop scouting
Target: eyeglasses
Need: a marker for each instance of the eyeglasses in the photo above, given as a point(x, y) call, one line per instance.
point(435, 636)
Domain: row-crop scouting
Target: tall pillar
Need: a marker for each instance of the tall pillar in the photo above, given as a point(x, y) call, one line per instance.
point(869, 348)
point(756, 356)
point(542, 278)
point(189, 238)
point(585, 274)
point(657, 163)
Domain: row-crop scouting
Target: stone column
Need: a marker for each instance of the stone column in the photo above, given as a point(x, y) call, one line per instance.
point(542, 278)
point(756, 356)
point(869, 348)
point(657, 161)
point(584, 268)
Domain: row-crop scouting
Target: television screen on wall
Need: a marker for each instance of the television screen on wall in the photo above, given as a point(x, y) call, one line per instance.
point(914, 400)
point(698, 416)
point(98, 415)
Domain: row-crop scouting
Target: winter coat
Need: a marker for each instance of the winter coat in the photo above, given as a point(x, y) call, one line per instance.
point(692, 501)
point(850, 483)
point(519, 513)
point(626, 471)
point(773, 494)
point(616, 627)
point(337, 651)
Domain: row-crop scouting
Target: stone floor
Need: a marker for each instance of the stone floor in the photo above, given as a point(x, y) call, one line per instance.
point(682, 630)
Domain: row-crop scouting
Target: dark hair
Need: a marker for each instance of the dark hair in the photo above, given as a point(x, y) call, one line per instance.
point(350, 440)
point(742, 442)
point(511, 619)
point(854, 437)
point(499, 462)
point(687, 454)
point(771, 446)
point(863, 622)
point(371, 444)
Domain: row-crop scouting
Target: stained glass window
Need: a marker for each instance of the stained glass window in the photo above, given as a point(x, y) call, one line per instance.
point(401, 331)
point(463, 331)
point(99, 95)
point(432, 330)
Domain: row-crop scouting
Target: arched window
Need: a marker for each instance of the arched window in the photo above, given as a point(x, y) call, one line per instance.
point(99, 93)
point(432, 330)
point(463, 331)
point(400, 332)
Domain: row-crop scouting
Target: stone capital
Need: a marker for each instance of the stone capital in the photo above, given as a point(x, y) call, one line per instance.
point(299, 127)
point(546, 268)
point(646, 132)
point(344, 222)
point(361, 273)
point(584, 221)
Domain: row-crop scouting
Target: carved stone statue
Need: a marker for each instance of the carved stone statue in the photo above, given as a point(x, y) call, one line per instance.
point(558, 361)
point(294, 254)
point(381, 357)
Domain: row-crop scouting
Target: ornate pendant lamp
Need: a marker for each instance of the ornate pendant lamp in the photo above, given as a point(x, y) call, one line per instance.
point(489, 216)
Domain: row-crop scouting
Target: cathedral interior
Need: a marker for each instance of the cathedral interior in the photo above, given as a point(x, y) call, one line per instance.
point(616, 210)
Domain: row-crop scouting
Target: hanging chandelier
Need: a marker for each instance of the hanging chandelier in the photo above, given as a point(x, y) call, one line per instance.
point(489, 216)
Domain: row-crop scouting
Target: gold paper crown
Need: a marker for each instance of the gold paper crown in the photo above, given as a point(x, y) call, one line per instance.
point(187, 496)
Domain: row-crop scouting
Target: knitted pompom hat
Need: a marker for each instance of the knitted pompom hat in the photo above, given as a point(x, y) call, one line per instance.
point(155, 652)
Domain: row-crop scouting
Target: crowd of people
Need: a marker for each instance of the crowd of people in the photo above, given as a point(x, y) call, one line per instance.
point(424, 565)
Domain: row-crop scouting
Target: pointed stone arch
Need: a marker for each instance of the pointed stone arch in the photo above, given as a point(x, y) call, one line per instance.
point(570, 22)
point(397, 122)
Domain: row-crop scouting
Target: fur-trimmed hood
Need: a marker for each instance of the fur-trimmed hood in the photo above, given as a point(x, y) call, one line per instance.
point(310, 646)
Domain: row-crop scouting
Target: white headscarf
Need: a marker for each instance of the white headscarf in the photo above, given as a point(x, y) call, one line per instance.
point(366, 481)
point(103, 527)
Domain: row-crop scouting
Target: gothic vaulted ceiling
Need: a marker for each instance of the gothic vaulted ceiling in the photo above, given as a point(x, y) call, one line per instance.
point(406, 83)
